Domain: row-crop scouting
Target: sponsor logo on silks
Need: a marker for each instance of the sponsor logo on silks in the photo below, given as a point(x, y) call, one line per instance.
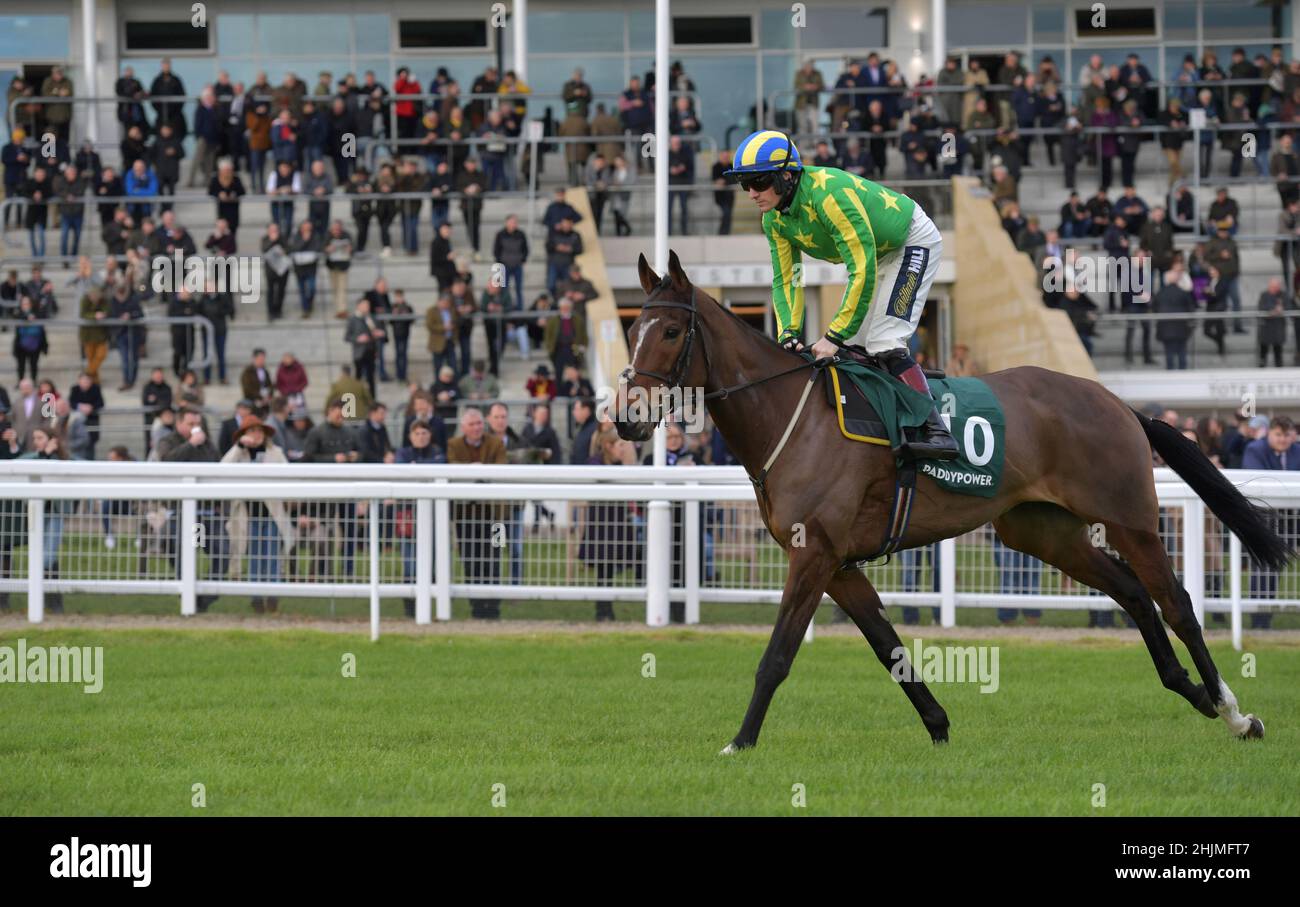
point(55, 664)
point(908, 281)
point(946, 664)
point(103, 861)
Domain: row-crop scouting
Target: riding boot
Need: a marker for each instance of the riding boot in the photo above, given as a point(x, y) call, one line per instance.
point(932, 441)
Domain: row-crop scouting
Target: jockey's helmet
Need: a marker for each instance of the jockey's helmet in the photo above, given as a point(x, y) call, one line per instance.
point(765, 151)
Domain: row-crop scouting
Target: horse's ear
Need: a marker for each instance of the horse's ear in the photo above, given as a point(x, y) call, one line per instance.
point(649, 279)
point(680, 280)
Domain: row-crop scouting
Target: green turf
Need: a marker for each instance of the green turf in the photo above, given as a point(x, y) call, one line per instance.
point(568, 724)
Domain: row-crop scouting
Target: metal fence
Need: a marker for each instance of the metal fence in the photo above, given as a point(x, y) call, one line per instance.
point(553, 533)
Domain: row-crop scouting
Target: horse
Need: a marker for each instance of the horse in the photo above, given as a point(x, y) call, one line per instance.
point(1076, 457)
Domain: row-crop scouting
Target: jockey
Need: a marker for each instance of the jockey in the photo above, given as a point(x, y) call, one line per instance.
point(889, 245)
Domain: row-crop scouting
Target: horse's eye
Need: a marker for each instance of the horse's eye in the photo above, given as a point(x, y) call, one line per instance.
point(672, 333)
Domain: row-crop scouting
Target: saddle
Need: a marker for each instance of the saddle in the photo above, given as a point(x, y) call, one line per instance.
point(858, 419)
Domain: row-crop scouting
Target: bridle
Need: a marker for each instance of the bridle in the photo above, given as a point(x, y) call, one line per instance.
point(683, 363)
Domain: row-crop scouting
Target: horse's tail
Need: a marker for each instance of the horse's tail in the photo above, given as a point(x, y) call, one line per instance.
point(1250, 522)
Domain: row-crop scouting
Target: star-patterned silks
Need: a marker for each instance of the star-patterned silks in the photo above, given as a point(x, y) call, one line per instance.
point(819, 177)
point(890, 200)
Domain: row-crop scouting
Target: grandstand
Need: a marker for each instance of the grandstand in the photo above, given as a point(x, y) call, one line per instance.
point(951, 102)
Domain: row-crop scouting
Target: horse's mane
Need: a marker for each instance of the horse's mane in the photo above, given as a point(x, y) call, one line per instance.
point(771, 341)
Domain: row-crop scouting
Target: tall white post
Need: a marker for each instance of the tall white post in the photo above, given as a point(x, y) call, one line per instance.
point(89, 75)
point(938, 36)
point(948, 583)
point(1194, 555)
point(374, 569)
point(36, 560)
point(658, 567)
point(1234, 586)
point(521, 40)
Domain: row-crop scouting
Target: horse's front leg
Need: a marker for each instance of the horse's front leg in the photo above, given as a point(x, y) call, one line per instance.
point(809, 573)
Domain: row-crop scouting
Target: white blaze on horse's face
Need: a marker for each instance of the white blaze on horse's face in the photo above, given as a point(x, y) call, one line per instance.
point(640, 338)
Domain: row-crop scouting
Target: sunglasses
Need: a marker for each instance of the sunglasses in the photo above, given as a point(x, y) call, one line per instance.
point(760, 182)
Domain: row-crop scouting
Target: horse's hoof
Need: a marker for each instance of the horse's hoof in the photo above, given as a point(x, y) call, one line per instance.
point(939, 739)
point(1256, 731)
point(731, 749)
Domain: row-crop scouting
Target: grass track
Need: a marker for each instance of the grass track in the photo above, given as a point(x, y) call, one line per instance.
point(570, 726)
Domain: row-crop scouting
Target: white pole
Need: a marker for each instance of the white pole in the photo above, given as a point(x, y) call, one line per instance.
point(1234, 586)
point(520, 24)
point(658, 515)
point(1194, 555)
point(89, 80)
point(948, 583)
point(423, 560)
point(938, 37)
point(693, 554)
point(374, 570)
point(442, 555)
point(36, 561)
point(189, 555)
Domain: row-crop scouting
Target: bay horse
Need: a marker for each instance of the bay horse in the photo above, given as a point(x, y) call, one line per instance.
point(1076, 456)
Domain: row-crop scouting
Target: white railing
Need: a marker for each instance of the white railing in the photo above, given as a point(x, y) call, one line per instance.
point(426, 515)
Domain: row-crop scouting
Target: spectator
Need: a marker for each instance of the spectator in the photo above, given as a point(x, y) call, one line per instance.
point(1174, 333)
point(1272, 327)
point(93, 337)
point(596, 178)
point(410, 181)
point(1082, 312)
point(421, 449)
point(126, 337)
point(479, 385)
point(724, 196)
point(808, 85)
point(441, 185)
point(86, 400)
point(608, 532)
point(563, 245)
point(257, 124)
point(58, 116)
point(15, 158)
point(276, 262)
point(283, 184)
point(372, 437)
point(155, 396)
point(442, 265)
point(1174, 119)
point(620, 198)
point(305, 252)
point(407, 111)
point(380, 307)
point(338, 259)
point(1221, 252)
point(510, 249)
point(463, 302)
point(420, 408)
point(260, 528)
point(471, 185)
point(1157, 237)
point(227, 188)
point(1284, 167)
point(1276, 450)
point(37, 191)
point(474, 520)
point(400, 329)
point(69, 188)
point(559, 210)
point(565, 337)
point(318, 185)
point(255, 381)
point(221, 241)
point(540, 435)
point(492, 305)
point(363, 333)
point(446, 393)
point(442, 321)
point(541, 384)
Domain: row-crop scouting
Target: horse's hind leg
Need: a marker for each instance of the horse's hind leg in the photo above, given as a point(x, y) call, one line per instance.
point(1146, 554)
point(854, 593)
point(1058, 537)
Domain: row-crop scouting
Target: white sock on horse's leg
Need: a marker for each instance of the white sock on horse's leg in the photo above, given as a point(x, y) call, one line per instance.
point(1230, 713)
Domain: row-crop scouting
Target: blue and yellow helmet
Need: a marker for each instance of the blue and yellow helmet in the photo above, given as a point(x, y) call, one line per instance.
point(764, 151)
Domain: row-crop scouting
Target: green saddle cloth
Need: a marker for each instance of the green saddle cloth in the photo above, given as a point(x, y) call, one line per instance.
point(968, 406)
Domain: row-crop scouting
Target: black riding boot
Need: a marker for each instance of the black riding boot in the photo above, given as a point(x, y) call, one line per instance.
point(932, 440)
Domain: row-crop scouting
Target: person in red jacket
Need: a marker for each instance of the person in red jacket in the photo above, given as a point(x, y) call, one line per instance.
point(408, 112)
point(291, 380)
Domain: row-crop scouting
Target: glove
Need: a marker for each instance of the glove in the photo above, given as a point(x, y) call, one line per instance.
point(792, 344)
